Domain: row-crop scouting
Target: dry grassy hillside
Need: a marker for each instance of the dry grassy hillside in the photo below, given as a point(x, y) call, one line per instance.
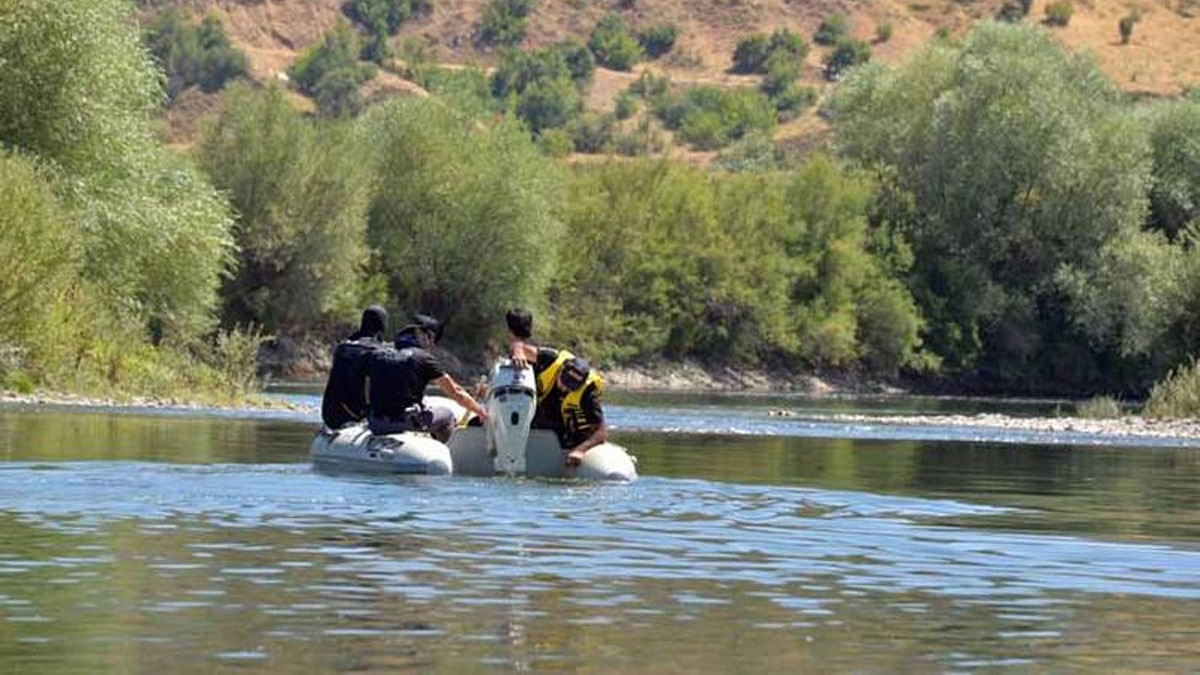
point(1163, 57)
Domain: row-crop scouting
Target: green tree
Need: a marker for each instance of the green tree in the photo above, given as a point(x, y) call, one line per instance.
point(613, 45)
point(465, 216)
point(76, 92)
point(504, 23)
point(330, 71)
point(200, 55)
point(1175, 142)
point(301, 196)
point(1007, 146)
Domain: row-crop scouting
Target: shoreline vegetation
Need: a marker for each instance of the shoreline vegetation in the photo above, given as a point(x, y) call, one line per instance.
point(896, 251)
point(688, 379)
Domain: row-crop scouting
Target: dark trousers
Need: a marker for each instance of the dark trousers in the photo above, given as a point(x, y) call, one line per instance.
point(438, 421)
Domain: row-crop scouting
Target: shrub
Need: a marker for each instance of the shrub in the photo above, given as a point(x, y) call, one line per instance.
point(790, 102)
point(750, 55)
point(883, 31)
point(541, 85)
point(625, 105)
point(1058, 12)
point(1125, 26)
point(1177, 395)
point(330, 72)
point(1100, 407)
point(504, 23)
point(754, 53)
point(193, 55)
point(657, 40)
point(846, 55)
point(710, 118)
point(592, 133)
point(384, 17)
point(832, 30)
point(612, 44)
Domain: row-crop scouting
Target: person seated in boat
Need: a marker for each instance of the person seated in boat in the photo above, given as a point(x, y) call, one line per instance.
point(519, 335)
point(344, 401)
point(571, 406)
point(398, 377)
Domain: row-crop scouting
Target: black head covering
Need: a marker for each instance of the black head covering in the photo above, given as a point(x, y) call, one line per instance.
point(429, 324)
point(374, 323)
point(574, 373)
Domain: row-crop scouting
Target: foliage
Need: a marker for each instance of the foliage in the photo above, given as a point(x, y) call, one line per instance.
point(1177, 395)
point(301, 197)
point(1175, 143)
point(1007, 145)
point(625, 105)
point(847, 54)
point(671, 261)
point(613, 45)
point(657, 40)
point(754, 53)
point(832, 30)
point(1100, 407)
point(447, 188)
point(711, 117)
point(384, 17)
point(330, 72)
point(1125, 26)
point(544, 86)
point(1058, 12)
point(883, 31)
point(504, 23)
point(39, 253)
point(193, 55)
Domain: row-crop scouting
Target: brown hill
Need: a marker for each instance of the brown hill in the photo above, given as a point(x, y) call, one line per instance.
point(1163, 57)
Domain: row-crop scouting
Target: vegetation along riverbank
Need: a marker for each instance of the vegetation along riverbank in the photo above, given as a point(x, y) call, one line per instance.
point(976, 208)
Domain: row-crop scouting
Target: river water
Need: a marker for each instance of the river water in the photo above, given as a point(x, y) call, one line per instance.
point(138, 541)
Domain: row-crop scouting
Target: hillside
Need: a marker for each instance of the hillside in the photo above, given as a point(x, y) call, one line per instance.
point(1162, 58)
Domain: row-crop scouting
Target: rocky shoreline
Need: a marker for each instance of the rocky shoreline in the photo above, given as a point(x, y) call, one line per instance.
point(1128, 426)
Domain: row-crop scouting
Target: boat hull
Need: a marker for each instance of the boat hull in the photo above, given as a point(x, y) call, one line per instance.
point(544, 458)
point(355, 449)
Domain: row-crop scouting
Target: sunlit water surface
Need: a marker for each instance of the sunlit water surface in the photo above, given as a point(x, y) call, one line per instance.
point(136, 542)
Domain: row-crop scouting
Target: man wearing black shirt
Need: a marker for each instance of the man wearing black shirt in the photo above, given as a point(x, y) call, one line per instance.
point(344, 401)
point(399, 376)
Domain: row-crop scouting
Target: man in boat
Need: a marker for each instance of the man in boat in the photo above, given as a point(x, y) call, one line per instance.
point(568, 391)
point(398, 377)
point(344, 401)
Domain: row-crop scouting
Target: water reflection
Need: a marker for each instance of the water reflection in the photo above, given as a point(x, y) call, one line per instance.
point(137, 544)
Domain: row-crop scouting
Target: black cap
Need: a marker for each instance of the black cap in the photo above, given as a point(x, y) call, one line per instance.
point(429, 324)
point(574, 373)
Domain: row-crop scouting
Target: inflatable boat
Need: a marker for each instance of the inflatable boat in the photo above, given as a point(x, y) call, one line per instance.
point(505, 445)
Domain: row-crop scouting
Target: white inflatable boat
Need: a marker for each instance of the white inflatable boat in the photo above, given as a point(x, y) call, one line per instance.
point(504, 446)
point(507, 446)
point(356, 449)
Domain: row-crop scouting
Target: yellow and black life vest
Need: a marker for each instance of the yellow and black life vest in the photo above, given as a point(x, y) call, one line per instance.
point(574, 420)
point(545, 381)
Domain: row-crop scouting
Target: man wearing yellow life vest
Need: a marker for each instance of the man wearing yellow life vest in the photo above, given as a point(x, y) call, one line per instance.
point(568, 390)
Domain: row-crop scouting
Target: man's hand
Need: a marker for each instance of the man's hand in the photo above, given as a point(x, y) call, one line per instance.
point(575, 456)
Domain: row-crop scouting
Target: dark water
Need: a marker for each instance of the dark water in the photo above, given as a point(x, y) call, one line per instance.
point(174, 544)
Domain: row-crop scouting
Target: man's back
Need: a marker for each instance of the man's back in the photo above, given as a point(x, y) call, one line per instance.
point(344, 400)
point(399, 378)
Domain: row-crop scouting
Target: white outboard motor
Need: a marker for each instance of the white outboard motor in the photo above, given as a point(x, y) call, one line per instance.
point(511, 402)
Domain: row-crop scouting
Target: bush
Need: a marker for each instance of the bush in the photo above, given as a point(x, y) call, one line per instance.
point(1100, 407)
point(1058, 12)
point(846, 55)
point(504, 23)
point(1177, 395)
point(592, 133)
point(542, 84)
point(384, 17)
point(833, 29)
point(612, 44)
point(883, 31)
point(754, 53)
point(1125, 26)
point(330, 72)
point(200, 55)
point(657, 40)
point(710, 118)
point(625, 105)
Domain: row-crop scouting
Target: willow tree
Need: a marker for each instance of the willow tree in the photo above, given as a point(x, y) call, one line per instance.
point(300, 192)
point(77, 89)
point(1018, 159)
point(465, 215)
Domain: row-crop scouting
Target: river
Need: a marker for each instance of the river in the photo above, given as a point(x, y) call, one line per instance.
point(140, 541)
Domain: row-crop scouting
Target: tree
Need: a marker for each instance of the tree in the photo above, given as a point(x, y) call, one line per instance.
point(1007, 145)
point(1175, 143)
point(465, 216)
point(613, 45)
point(301, 197)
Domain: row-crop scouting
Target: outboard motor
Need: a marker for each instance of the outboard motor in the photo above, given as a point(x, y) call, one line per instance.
point(511, 402)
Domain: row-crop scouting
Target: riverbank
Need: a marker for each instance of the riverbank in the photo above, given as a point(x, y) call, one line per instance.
point(1127, 427)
